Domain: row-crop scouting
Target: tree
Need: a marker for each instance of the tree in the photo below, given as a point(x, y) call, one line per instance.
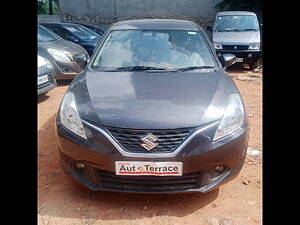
point(43, 7)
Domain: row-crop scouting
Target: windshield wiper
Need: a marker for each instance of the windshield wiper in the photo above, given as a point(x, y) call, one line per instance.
point(138, 68)
point(227, 30)
point(247, 29)
point(194, 68)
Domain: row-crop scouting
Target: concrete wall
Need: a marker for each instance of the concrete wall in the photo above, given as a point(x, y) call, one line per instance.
point(49, 18)
point(109, 11)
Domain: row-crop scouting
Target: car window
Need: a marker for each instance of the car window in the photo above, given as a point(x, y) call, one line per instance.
point(61, 32)
point(45, 35)
point(81, 32)
point(170, 49)
point(93, 29)
point(236, 23)
point(96, 30)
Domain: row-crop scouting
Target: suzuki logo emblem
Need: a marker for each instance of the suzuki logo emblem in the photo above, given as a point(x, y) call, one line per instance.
point(149, 140)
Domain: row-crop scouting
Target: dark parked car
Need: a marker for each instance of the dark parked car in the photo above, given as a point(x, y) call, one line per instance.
point(45, 76)
point(238, 33)
point(68, 59)
point(75, 33)
point(92, 27)
point(153, 112)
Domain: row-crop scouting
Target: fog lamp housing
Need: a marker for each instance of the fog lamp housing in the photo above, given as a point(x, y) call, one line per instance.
point(80, 165)
point(219, 169)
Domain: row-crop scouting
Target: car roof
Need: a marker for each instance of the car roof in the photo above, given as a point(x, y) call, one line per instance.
point(155, 24)
point(87, 24)
point(235, 13)
point(60, 24)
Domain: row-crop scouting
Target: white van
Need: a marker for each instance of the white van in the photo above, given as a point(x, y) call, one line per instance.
point(238, 33)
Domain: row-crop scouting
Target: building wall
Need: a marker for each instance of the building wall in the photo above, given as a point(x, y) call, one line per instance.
point(49, 18)
point(109, 11)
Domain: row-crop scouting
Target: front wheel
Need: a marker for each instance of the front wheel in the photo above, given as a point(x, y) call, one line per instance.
point(253, 65)
point(42, 95)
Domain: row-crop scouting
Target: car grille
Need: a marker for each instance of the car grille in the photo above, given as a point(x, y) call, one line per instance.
point(168, 140)
point(50, 80)
point(109, 180)
point(238, 47)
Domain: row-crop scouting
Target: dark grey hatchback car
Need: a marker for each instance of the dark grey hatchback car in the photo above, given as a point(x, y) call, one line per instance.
point(153, 112)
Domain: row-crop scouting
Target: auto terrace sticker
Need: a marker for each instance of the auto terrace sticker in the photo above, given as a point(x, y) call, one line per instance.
point(135, 168)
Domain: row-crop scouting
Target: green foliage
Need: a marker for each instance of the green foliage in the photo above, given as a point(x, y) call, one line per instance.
point(43, 7)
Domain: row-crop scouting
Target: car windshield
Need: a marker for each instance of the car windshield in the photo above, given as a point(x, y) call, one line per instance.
point(82, 32)
point(236, 23)
point(45, 35)
point(162, 49)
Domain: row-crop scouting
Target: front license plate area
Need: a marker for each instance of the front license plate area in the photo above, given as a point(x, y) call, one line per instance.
point(138, 168)
point(239, 59)
point(42, 79)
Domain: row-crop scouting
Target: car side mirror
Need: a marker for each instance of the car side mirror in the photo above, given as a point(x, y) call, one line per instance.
point(209, 28)
point(228, 60)
point(81, 58)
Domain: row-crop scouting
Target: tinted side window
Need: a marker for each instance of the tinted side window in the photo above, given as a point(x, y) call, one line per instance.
point(61, 32)
point(94, 29)
point(49, 27)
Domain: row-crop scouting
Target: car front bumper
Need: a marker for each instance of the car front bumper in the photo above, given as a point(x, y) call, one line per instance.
point(46, 87)
point(249, 56)
point(199, 158)
point(67, 71)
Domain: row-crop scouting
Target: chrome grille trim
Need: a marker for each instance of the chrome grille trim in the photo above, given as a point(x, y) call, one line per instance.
point(131, 139)
point(49, 82)
point(150, 155)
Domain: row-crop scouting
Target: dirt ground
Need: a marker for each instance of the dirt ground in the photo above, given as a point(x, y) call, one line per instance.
point(62, 201)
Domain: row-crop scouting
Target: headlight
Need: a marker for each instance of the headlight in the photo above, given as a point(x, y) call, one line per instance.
point(69, 116)
point(218, 46)
point(43, 62)
point(49, 64)
point(44, 66)
point(58, 55)
point(233, 117)
point(254, 46)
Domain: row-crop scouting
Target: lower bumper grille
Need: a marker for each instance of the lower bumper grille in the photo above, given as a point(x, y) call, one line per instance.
point(50, 81)
point(235, 47)
point(111, 181)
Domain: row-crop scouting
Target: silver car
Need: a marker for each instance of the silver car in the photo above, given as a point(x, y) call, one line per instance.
point(45, 76)
point(238, 33)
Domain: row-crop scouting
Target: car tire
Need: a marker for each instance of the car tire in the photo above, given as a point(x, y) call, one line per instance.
point(253, 65)
point(42, 95)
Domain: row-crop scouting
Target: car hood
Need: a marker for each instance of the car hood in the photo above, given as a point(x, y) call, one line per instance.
point(68, 47)
point(236, 37)
point(144, 100)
